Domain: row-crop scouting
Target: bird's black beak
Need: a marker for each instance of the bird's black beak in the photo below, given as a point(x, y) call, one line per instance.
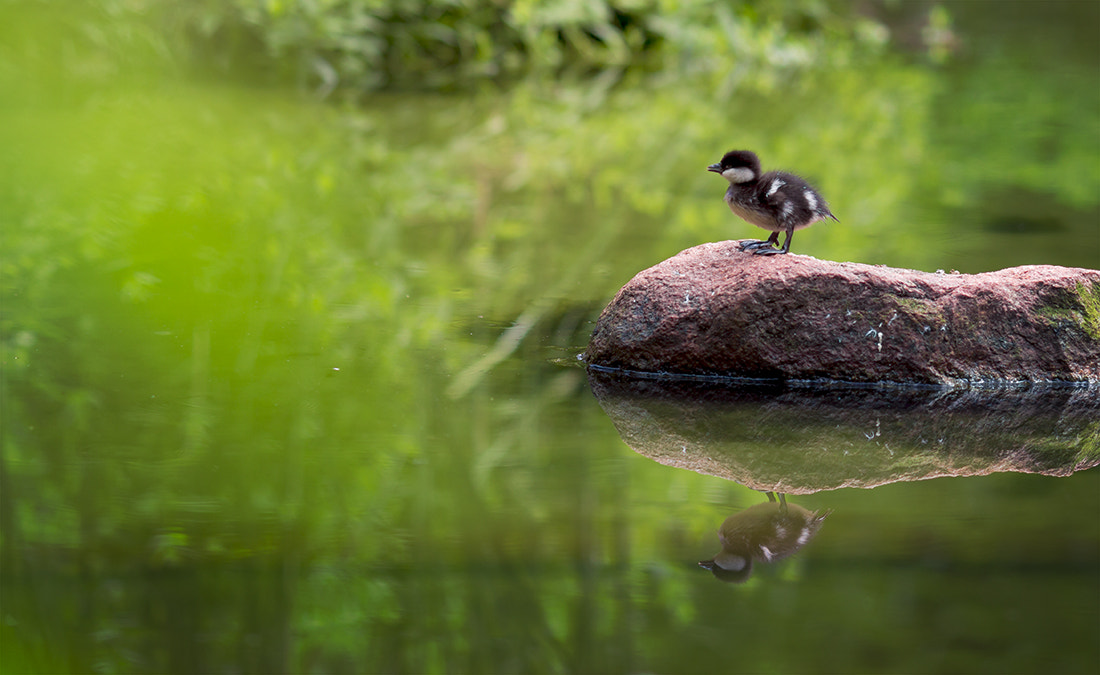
point(716, 168)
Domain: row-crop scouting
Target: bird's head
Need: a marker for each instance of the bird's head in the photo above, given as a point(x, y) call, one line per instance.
point(738, 166)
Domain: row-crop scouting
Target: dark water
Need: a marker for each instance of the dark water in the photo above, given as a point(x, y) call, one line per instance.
point(291, 387)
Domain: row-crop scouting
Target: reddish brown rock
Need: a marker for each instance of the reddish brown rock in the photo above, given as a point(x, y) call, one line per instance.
point(714, 310)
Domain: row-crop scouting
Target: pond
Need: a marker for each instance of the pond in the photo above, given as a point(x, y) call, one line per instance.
point(291, 385)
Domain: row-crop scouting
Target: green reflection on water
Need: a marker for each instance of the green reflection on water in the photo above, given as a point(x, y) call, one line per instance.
point(231, 320)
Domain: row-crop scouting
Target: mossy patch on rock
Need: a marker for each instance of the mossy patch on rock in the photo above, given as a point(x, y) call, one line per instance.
point(1089, 295)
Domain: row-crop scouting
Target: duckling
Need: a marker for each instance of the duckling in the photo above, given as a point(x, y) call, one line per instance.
point(776, 201)
point(765, 533)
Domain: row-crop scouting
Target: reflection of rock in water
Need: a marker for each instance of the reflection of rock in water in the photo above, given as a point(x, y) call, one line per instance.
point(764, 533)
point(804, 439)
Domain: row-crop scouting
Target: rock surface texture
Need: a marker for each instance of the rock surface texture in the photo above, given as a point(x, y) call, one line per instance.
point(714, 310)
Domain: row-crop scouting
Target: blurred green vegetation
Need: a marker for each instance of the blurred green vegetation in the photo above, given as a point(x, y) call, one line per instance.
point(366, 44)
point(289, 356)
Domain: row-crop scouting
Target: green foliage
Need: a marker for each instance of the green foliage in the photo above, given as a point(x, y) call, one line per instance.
point(366, 44)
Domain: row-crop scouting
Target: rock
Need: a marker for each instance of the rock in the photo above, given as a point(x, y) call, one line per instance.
point(714, 310)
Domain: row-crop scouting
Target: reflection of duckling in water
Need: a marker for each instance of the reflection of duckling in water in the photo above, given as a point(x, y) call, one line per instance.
point(765, 533)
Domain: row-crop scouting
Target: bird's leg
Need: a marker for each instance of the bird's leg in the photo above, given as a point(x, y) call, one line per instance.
point(775, 251)
point(755, 246)
point(782, 501)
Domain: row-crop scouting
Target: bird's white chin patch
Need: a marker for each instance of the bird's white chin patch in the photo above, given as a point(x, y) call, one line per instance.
point(740, 174)
point(730, 561)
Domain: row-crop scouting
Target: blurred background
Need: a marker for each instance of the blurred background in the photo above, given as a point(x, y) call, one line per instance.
point(291, 290)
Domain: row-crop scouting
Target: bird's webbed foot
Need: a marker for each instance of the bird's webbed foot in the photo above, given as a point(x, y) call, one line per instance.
point(756, 246)
point(782, 501)
point(768, 247)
